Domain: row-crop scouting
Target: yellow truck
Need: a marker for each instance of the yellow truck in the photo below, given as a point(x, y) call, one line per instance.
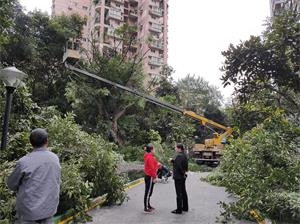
point(211, 150)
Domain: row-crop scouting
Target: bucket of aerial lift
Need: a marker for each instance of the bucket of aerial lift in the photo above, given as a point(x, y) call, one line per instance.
point(71, 54)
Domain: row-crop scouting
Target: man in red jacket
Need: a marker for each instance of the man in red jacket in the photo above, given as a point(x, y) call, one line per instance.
point(150, 170)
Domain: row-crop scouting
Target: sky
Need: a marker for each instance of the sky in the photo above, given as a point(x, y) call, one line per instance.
point(199, 30)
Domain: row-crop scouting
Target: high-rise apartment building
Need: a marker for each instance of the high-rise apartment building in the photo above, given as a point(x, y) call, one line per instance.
point(148, 17)
point(279, 5)
point(68, 7)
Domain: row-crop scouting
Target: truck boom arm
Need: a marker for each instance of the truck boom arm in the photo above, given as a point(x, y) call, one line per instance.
point(204, 121)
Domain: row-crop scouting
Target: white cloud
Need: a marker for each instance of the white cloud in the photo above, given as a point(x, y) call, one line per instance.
point(43, 5)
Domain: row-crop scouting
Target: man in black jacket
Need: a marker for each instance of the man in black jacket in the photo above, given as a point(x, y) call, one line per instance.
point(180, 167)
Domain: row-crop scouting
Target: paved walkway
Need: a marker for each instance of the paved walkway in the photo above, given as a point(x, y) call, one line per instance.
point(203, 203)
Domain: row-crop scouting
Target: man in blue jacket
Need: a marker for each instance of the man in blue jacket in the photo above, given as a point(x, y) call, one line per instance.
point(36, 179)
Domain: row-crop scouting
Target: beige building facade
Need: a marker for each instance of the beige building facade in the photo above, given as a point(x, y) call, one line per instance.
point(279, 5)
point(149, 40)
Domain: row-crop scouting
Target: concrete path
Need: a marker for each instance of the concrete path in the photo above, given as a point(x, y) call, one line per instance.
point(203, 203)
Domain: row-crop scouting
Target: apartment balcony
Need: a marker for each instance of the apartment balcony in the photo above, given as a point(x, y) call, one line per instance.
point(156, 61)
point(112, 32)
point(113, 14)
point(155, 27)
point(134, 1)
point(133, 14)
point(133, 45)
point(156, 11)
point(157, 44)
point(98, 5)
point(97, 22)
point(119, 1)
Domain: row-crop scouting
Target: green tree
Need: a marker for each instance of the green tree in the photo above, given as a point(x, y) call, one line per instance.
point(100, 106)
point(265, 70)
point(35, 46)
point(196, 93)
point(6, 19)
point(255, 168)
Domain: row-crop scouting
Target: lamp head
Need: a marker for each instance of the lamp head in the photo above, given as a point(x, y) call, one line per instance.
point(11, 76)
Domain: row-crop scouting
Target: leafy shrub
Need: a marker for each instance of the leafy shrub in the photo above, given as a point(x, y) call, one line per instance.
point(132, 153)
point(194, 167)
point(263, 169)
point(7, 198)
point(89, 166)
point(100, 168)
point(96, 158)
point(75, 191)
point(284, 205)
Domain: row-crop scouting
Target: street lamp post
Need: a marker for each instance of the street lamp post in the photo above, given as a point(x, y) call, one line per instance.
point(11, 78)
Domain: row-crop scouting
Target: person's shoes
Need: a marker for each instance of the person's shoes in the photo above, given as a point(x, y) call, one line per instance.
point(151, 208)
point(185, 210)
point(148, 211)
point(176, 212)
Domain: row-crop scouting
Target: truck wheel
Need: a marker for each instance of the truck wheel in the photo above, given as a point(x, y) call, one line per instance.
point(199, 162)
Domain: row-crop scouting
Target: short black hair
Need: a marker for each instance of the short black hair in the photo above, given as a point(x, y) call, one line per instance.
point(180, 146)
point(149, 147)
point(38, 137)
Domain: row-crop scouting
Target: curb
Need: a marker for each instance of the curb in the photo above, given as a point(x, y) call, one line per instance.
point(259, 219)
point(96, 202)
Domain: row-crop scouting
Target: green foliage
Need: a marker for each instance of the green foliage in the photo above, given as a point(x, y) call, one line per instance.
point(100, 168)
point(196, 94)
point(6, 15)
point(163, 153)
point(194, 167)
point(98, 162)
point(216, 177)
point(132, 153)
point(7, 199)
point(154, 136)
point(103, 108)
point(170, 126)
point(24, 113)
point(247, 116)
point(89, 165)
point(67, 26)
point(262, 169)
point(75, 190)
point(36, 45)
point(265, 71)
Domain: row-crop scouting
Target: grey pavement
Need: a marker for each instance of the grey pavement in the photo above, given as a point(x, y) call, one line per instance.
point(203, 203)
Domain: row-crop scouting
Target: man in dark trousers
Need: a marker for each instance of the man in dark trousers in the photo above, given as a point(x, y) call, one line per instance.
point(180, 167)
point(36, 179)
point(150, 170)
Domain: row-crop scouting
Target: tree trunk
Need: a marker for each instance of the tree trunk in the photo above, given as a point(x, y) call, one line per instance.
point(114, 130)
